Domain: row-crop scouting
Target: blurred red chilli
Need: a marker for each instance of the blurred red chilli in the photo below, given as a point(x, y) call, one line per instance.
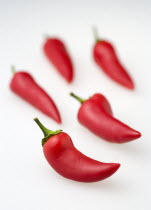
point(105, 56)
point(96, 114)
point(57, 54)
point(25, 86)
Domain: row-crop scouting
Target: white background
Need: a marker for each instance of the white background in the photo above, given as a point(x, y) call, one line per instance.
point(26, 180)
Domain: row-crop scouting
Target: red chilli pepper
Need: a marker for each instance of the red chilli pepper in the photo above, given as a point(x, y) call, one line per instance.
point(95, 114)
point(65, 159)
point(57, 54)
point(25, 86)
point(105, 56)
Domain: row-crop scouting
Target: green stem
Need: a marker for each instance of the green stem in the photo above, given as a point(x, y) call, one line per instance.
point(47, 133)
point(81, 100)
point(46, 36)
point(13, 69)
point(95, 33)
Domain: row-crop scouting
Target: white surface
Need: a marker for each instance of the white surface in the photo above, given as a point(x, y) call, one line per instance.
point(26, 180)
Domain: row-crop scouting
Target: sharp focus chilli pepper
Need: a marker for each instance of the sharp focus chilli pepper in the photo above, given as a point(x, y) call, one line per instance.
point(57, 54)
point(95, 114)
point(105, 56)
point(25, 86)
point(65, 159)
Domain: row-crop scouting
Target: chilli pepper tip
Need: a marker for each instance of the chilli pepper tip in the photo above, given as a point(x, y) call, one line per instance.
point(131, 86)
point(116, 166)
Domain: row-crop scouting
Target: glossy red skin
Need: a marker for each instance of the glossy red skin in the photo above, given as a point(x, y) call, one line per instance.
point(96, 115)
point(25, 86)
point(65, 159)
point(105, 56)
point(57, 54)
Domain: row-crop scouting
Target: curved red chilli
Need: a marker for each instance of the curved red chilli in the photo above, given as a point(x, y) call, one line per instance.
point(72, 164)
point(105, 56)
point(96, 115)
point(69, 162)
point(25, 86)
point(57, 54)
